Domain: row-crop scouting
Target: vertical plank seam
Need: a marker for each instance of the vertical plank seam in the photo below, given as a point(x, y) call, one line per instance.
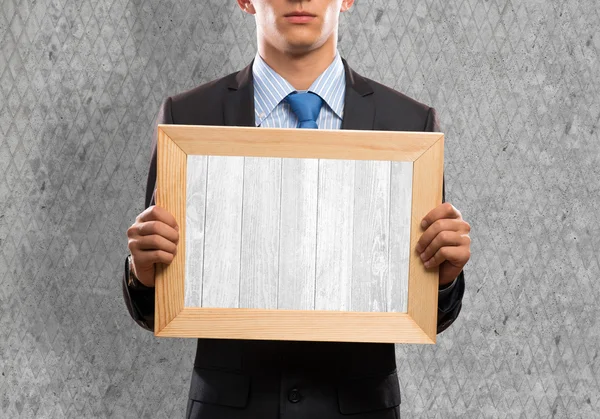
point(387, 283)
point(351, 266)
point(204, 231)
point(279, 240)
point(316, 237)
point(241, 234)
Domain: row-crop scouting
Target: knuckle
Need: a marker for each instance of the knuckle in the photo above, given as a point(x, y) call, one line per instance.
point(438, 225)
point(154, 241)
point(444, 252)
point(151, 227)
point(135, 229)
point(155, 256)
point(133, 244)
point(445, 236)
point(152, 211)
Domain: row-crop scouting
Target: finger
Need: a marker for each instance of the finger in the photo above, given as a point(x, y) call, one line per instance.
point(154, 242)
point(436, 228)
point(456, 255)
point(445, 210)
point(444, 238)
point(146, 258)
point(150, 228)
point(156, 213)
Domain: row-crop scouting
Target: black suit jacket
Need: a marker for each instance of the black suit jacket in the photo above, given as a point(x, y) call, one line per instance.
point(269, 379)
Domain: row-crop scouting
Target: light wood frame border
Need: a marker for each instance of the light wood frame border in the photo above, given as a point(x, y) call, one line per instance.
point(418, 325)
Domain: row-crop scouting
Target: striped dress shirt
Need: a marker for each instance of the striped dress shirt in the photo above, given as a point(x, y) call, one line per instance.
point(270, 89)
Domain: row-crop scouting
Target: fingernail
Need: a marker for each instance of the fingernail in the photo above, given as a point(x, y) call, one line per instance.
point(419, 248)
point(424, 224)
point(427, 264)
point(423, 256)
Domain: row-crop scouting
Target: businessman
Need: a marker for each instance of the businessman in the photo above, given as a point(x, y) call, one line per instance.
point(296, 80)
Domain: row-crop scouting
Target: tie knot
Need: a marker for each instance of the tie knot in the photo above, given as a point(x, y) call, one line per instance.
point(306, 106)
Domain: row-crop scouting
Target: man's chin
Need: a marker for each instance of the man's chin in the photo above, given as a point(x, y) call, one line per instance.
point(302, 45)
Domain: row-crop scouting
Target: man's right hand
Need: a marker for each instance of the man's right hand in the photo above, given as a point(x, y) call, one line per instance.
point(153, 239)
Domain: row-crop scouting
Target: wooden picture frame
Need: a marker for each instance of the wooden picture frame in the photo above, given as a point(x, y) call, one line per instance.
point(418, 325)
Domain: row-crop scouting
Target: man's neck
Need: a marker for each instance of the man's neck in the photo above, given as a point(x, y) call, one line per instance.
point(300, 70)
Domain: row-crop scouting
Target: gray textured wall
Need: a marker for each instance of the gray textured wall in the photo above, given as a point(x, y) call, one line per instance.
point(516, 84)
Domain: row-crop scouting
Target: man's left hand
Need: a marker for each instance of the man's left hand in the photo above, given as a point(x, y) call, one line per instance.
point(445, 242)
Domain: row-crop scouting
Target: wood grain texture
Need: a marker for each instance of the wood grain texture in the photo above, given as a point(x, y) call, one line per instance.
point(223, 232)
point(195, 219)
point(313, 236)
point(427, 194)
point(399, 247)
point(370, 241)
point(335, 223)
point(304, 143)
point(298, 234)
point(327, 326)
point(259, 269)
point(171, 195)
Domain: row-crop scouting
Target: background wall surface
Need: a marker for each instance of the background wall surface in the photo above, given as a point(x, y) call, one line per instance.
point(516, 84)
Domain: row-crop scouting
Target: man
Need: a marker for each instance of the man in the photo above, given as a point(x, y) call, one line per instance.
point(297, 52)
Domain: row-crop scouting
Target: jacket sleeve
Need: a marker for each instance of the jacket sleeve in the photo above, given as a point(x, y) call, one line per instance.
point(140, 302)
point(449, 298)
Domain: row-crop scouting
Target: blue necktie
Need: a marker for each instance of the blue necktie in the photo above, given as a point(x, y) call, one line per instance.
point(306, 106)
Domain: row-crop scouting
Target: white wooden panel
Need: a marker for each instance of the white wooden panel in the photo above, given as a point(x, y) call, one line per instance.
point(194, 238)
point(298, 234)
point(259, 271)
point(221, 276)
point(401, 205)
point(334, 234)
point(371, 230)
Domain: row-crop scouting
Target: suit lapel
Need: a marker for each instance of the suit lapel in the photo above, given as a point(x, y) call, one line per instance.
point(359, 109)
point(238, 109)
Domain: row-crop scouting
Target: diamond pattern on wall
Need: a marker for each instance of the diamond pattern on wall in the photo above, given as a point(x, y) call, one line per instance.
point(516, 86)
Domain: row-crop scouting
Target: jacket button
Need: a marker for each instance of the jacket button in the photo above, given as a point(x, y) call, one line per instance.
point(294, 395)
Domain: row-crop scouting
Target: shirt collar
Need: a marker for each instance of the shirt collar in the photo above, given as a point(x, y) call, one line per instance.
point(270, 88)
